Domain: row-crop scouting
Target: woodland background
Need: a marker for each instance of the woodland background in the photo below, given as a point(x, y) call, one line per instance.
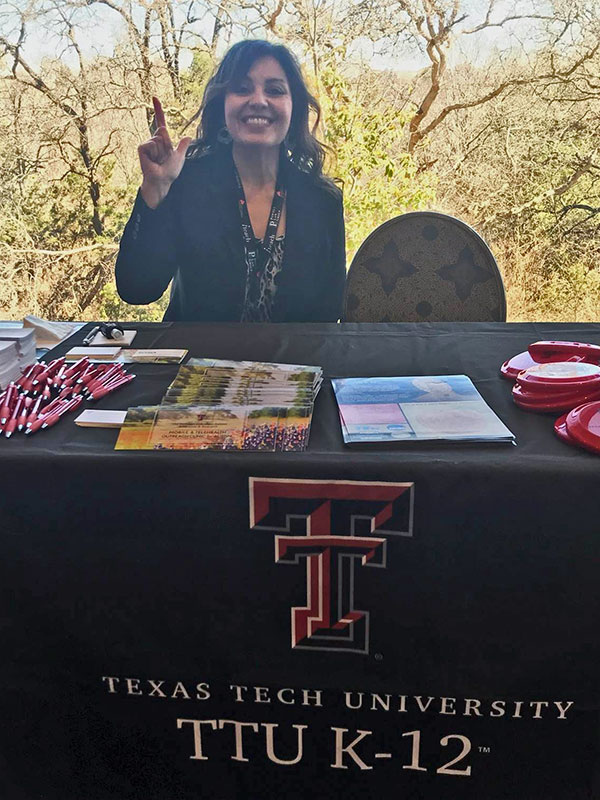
point(487, 110)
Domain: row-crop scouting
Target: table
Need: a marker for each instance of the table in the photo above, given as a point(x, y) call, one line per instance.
point(160, 610)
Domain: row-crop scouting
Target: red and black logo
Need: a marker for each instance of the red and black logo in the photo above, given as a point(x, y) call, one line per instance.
point(333, 526)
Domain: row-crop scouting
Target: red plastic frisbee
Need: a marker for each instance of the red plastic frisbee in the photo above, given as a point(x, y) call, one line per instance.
point(583, 425)
point(560, 376)
point(511, 368)
point(538, 391)
point(561, 351)
point(550, 352)
point(560, 429)
point(551, 401)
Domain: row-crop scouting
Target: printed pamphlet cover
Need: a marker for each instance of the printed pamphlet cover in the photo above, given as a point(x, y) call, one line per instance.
point(416, 408)
point(246, 428)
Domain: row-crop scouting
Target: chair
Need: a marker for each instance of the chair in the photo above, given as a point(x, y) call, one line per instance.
point(424, 267)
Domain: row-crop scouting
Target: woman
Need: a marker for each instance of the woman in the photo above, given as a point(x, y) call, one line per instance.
point(242, 220)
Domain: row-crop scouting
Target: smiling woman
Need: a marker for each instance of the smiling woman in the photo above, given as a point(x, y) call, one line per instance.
point(241, 219)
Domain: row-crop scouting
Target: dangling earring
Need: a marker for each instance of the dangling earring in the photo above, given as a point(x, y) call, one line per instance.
point(223, 136)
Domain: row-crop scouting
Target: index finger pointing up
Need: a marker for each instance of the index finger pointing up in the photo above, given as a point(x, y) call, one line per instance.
point(159, 114)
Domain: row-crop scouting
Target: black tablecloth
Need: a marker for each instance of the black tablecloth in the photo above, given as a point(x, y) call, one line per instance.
point(140, 591)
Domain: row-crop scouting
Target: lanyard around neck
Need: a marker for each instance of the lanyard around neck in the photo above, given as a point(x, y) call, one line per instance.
point(257, 253)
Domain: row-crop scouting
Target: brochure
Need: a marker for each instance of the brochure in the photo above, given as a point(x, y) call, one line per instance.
point(417, 408)
point(226, 405)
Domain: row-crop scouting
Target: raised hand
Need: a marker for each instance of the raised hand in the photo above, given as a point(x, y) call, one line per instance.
point(161, 163)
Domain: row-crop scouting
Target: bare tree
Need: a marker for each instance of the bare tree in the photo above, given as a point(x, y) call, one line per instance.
point(436, 28)
point(71, 98)
point(163, 30)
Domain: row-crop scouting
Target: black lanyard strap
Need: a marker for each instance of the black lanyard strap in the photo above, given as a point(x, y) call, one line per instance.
point(257, 253)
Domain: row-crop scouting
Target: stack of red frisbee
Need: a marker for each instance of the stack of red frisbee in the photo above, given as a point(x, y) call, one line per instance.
point(561, 376)
point(581, 426)
point(557, 386)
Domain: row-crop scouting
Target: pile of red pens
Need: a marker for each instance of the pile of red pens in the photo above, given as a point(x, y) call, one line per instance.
point(45, 392)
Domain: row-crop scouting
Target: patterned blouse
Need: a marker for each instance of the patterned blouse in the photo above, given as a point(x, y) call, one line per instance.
point(258, 304)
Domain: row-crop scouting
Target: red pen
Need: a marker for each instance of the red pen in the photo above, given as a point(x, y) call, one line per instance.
point(110, 387)
point(40, 372)
point(105, 372)
point(2, 396)
point(103, 380)
point(58, 376)
point(38, 424)
point(5, 411)
point(73, 403)
point(47, 421)
point(77, 389)
point(34, 412)
point(88, 375)
point(57, 407)
point(114, 383)
point(115, 377)
point(65, 404)
point(77, 368)
point(22, 420)
point(26, 378)
point(12, 422)
point(25, 384)
point(52, 406)
point(54, 366)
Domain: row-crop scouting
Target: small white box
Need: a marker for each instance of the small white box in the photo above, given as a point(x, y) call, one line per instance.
point(98, 418)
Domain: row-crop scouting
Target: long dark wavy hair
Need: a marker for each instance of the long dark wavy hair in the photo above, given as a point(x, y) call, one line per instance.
point(300, 146)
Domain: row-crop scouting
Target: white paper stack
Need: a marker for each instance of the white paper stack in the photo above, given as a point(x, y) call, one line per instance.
point(93, 353)
point(49, 334)
point(100, 418)
point(9, 363)
point(24, 339)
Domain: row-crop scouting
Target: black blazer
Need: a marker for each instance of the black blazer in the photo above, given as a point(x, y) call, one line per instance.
point(194, 237)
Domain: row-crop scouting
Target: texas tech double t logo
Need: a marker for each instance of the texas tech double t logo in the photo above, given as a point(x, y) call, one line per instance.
point(334, 527)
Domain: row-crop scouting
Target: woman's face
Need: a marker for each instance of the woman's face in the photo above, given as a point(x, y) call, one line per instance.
point(258, 111)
